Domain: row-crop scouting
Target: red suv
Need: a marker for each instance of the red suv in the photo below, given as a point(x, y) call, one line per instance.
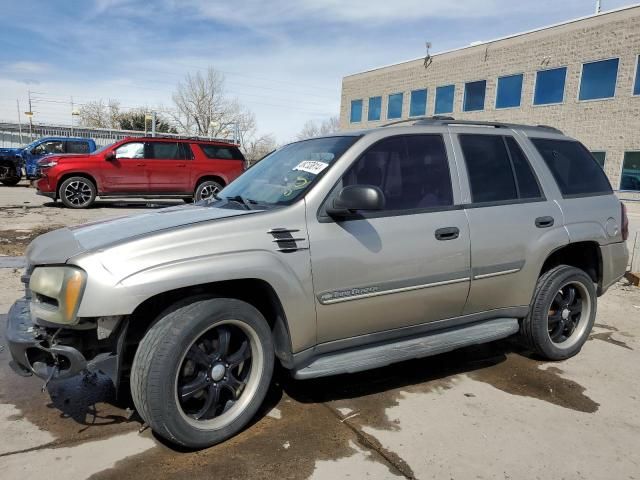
point(141, 167)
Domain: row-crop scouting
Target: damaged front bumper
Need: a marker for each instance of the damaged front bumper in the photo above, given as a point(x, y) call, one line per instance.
point(36, 350)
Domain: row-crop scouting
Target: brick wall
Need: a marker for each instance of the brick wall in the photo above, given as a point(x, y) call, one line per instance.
point(611, 125)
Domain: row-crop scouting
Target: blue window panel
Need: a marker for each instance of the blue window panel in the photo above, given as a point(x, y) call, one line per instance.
point(375, 107)
point(394, 107)
point(444, 99)
point(356, 111)
point(474, 93)
point(550, 86)
point(418, 106)
point(599, 79)
point(636, 86)
point(509, 91)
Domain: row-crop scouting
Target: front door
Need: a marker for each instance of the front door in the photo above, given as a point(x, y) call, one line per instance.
point(405, 265)
point(126, 173)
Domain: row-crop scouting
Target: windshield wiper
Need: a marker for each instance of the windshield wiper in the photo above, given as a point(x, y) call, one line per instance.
point(245, 202)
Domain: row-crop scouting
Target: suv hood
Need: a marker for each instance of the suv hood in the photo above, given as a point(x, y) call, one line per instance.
point(60, 245)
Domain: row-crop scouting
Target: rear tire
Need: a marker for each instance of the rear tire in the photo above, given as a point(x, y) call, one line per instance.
point(77, 192)
point(193, 380)
point(562, 313)
point(206, 189)
point(10, 182)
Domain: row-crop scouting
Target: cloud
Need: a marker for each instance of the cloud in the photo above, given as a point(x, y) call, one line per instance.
point(25, 67)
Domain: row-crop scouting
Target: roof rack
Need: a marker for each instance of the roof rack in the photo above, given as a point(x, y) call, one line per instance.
point(450, 121)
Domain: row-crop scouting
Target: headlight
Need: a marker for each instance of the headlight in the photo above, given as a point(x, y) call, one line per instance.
point(56, 293)
point(48, 164)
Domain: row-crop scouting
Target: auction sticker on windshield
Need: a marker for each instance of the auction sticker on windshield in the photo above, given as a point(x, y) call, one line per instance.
point(311, 166)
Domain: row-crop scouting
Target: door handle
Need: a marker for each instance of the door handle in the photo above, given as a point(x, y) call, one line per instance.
point(544, 222)
point(141, 164)
point(447, 233)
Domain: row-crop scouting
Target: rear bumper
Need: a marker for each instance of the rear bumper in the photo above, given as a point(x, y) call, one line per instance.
point(615, 258)
point(34, 351)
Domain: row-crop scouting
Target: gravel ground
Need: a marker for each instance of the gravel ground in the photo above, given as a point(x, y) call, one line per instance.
point(484, 412)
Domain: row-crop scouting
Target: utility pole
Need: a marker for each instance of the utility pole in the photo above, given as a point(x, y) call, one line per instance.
point(30, 115)
point(71, 115)
point(154, 118)
point(598, 7)
point(19, 120)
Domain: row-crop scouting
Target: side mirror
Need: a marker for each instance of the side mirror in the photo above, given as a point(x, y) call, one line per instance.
point(356, 197)
point(109, 157)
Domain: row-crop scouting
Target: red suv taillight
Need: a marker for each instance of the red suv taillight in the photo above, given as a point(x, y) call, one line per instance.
point(625, 222)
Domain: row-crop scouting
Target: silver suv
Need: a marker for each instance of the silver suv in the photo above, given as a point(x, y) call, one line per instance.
point(331, 255)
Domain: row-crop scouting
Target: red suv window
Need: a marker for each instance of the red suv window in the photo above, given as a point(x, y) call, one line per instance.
point(221, 152)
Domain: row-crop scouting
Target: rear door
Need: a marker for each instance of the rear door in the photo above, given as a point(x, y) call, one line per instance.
point(403, 266)
point(169, 167)
point(513, 224)
point(127, 172)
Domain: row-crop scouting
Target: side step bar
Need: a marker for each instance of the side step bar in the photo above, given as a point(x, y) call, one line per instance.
point(434, 343)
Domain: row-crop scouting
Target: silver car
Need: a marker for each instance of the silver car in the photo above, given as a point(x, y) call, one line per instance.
point(331, 255)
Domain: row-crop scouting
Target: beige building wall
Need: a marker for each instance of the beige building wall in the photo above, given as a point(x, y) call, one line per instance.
point(611, 125)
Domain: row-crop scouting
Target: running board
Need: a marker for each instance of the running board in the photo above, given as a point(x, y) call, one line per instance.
point(434, 343)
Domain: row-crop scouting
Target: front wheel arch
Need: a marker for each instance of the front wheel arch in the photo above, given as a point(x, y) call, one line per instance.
point(75, 174)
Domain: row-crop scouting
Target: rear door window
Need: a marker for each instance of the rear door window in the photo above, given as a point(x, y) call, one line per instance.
point(575, 170)
point(498, 169)
point(221, 152)
point(77, 147)
point(164, 151)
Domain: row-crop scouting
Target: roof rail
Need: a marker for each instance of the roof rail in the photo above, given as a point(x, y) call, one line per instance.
point(450, 121)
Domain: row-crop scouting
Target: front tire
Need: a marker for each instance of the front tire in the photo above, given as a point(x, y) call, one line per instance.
point(562, 313)
point(11, 182)
point(77, 192)
point(202, 371)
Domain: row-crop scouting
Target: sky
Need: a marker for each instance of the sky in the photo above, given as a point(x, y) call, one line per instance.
point(284, 60)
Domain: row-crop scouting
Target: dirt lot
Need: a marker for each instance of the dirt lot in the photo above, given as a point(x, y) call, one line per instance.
point(482, 412)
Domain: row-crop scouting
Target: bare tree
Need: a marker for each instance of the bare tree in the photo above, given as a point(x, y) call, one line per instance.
point(258, 146)
point(202, 105)
point(315, 129)
point(100, 114)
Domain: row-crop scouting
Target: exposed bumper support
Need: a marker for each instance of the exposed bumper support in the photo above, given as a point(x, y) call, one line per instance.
point(35, 352)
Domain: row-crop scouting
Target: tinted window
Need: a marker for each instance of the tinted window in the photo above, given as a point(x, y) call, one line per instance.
point(77, 147)
point(130, 150)
point(418, 103)
point(394, 107)
point(630, 179)
point(573, 167)
point(165, 151)
point(46, 148)
point(550, 86)
point(412, 172)
point(600, 157)
point(509, 91)
point(375, 107)
point(221, 152)
point(474, 93)
point(599, 79)
point(356, 111)
point(489, 168)
point(636, 86)
point(444, 99)
point(526, 181)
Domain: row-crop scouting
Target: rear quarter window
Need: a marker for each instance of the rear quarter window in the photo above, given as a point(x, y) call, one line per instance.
point(575, 170)
point(221, 152)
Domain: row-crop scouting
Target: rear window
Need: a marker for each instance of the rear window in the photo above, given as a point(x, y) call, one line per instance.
point(576, 172)
point(77, 147)
point(222, 152)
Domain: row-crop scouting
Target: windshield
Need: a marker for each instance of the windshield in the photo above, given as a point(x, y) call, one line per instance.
point(101, 149)
point(286, 174)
